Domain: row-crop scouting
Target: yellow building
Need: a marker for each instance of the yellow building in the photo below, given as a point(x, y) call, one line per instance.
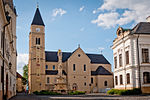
point(64, 71)
point(7, 49)
point(19, 84)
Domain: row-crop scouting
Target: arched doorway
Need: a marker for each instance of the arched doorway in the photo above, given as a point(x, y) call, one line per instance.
point(74, 86)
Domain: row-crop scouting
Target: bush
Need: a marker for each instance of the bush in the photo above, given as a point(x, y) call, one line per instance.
point(76, 92)
point(134, 91)
point(44, 92)
point(113, 91)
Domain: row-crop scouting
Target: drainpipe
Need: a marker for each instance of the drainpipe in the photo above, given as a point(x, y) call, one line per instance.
point(8, 19)
point(139, 70)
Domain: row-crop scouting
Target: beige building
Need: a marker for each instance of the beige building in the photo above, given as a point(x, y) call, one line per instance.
point(19, 83)
point(64, 71)
point(7, 49)
point(131, 50)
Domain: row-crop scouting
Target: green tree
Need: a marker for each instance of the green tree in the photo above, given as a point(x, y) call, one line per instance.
point(25, 74)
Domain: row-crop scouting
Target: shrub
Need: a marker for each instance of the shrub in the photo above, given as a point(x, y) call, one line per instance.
point(125, 92)
point(113, 91)
point(76, 92)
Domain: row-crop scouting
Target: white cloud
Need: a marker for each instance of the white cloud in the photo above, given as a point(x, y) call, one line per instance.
point(106, 20)
point(82, 29)
point(101, 48)
point(58, 11)
point(22, 59)
point(81, 8)
point(94, 11)
point(134, 11)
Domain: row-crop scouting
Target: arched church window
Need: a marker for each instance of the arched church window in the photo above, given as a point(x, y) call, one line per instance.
point(38, 41)
point(105, 83)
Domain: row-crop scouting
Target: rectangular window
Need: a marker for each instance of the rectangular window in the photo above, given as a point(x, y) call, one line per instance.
point(128, 78)
point(46, 67)
point(145, 56)
point(146, 77)
point(74, 67)
point(115, 62)
point(38, 41)
point(53, 67)
point(127, 57)
point(84, 67)
point(116, 80)
point(120, 60)
point(92, 80)
point(47, 79)
point(121, 80)
point(84, 83)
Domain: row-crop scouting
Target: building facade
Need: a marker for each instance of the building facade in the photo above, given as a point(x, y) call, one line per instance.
point(19, 83)
point(64, 71)
point(131, 50)
point(7, 49)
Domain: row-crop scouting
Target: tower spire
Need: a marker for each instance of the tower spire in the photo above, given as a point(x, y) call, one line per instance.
point(37, 20)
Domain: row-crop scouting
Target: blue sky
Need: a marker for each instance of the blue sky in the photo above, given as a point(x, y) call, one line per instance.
point(90, 23)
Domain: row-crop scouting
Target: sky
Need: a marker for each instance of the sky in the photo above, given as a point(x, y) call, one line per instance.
point(90, 23)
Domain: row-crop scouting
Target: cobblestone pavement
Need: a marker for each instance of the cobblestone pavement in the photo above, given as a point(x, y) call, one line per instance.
point(98, 96)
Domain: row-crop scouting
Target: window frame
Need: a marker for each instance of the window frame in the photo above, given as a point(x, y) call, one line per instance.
point(46, 67)
point(74, 67)
point(48, 80)
point(84, 67)
point(128, 78)
point(54, 67)
point(116, 80)
point(145, 55)
point(115, 61)
point(120, 60)
point(146, 77)
point(127, 57)
point(121, 79)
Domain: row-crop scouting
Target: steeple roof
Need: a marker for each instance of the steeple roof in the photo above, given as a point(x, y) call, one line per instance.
point(37, 20)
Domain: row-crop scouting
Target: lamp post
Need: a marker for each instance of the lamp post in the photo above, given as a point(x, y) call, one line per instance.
point(8, 20)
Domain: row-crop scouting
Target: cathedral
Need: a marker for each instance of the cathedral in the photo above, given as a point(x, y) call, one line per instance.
point(64, 71)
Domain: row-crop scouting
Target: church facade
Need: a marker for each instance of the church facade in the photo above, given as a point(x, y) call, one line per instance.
point(64, 71)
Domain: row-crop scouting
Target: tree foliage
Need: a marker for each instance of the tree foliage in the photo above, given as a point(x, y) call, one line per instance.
point(25, 74)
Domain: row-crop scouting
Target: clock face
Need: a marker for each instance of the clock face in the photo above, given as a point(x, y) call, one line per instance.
point(37, 29)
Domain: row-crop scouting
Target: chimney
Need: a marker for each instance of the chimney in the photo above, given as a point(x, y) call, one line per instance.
point(148, 19)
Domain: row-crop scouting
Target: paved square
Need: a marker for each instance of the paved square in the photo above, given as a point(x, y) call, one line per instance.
point(97, 96)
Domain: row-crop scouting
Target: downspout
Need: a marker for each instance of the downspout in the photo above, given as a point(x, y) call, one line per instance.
point(138, 62)
point(8, 19)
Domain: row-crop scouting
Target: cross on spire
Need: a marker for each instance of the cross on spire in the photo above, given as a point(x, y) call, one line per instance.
point(37, 5)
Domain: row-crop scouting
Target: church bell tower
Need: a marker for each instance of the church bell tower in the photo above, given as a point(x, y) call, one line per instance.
point(36, 71)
